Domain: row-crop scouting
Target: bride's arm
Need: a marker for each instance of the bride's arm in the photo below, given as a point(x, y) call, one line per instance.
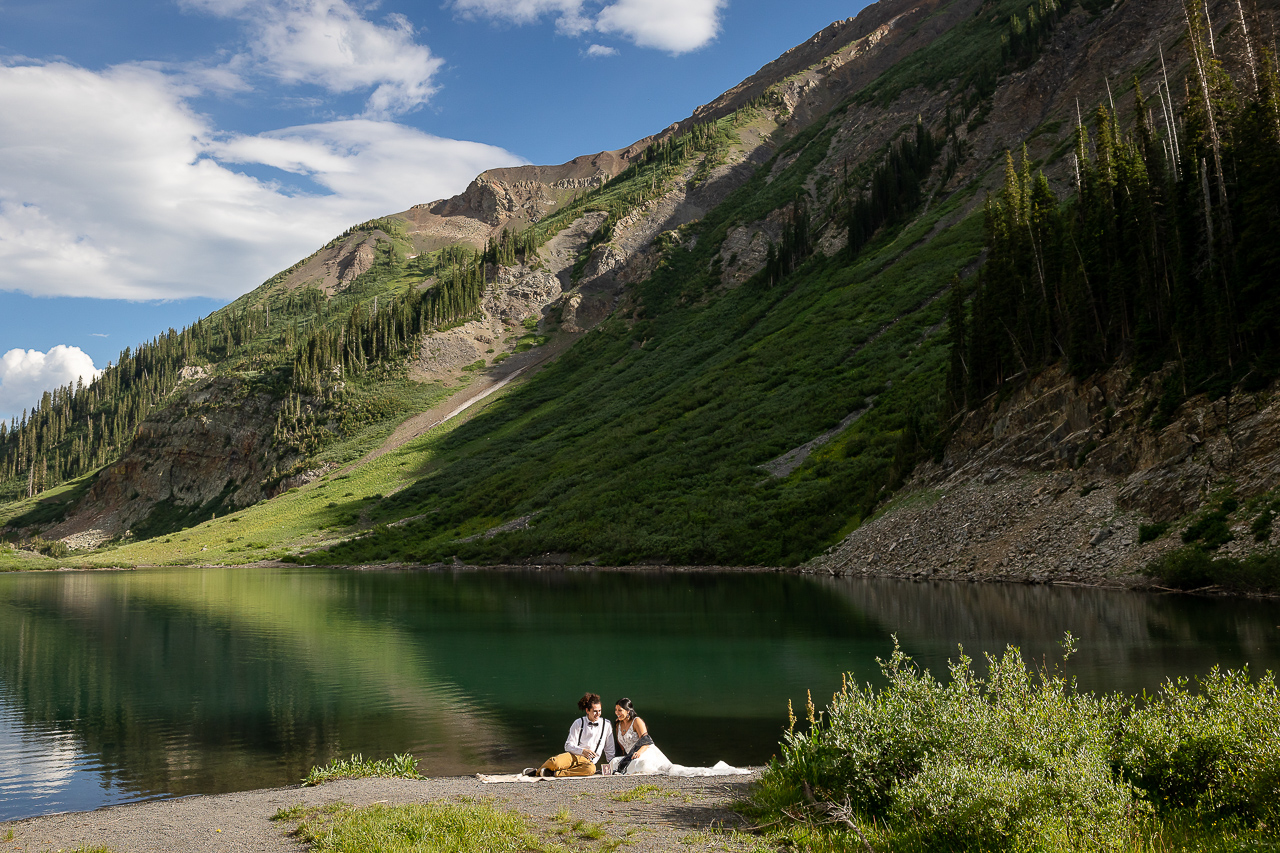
point(641, 729)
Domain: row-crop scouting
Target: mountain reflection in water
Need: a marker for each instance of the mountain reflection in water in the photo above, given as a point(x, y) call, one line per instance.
point(127, 685)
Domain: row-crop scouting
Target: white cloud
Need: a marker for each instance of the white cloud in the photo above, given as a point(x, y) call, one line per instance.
point(362, 161)
point(601, 50)
point(26, 374)
point(676, 26)
point(112, 186)
point(328, 43)
point(570, 18)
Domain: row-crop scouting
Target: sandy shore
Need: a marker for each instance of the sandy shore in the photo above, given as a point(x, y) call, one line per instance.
point(682, 814)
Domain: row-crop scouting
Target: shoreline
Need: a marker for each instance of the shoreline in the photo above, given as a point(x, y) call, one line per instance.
point(666, 813)
point(820, 566)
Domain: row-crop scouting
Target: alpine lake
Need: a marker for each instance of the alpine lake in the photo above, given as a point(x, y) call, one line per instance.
point(124, 686)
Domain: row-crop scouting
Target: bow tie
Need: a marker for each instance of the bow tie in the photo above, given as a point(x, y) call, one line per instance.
point(593, 724)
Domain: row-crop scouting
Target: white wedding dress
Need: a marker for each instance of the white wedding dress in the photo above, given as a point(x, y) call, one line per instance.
point(654, 762)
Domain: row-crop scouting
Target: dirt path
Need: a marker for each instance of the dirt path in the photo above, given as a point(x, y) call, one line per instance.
point(487, 383)
point(558, 254)
point(667, 814)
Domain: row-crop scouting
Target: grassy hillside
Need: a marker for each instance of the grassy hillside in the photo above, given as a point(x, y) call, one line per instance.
point(645, 441)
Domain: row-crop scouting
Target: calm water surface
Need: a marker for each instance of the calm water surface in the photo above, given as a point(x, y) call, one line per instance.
point(123, 686)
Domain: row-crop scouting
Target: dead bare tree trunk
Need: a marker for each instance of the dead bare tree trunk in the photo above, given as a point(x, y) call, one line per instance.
point(1202, 72)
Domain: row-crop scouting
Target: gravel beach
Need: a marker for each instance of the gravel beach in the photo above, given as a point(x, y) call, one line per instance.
point(670, 813)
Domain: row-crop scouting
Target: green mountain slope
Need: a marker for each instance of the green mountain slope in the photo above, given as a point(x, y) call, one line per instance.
point(766, 291)
point(646, 441)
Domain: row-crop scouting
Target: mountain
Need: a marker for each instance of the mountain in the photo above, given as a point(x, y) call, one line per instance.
point(737, 340)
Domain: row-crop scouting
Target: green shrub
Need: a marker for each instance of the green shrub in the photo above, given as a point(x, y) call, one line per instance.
point(1021, 760)
point(1193, 568)
point(994, 763)
point(1185, 568)
point(1212, 531)
point(1150, 532)
point(1261, 525)
point(1214, 751)
point(55, 548)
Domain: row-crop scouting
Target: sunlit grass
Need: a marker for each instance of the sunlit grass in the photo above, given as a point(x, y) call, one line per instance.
point(324, 512)
point(817, 834)
point(51, 498)
point(640, 793)
point(14, 560)
point(420, 828)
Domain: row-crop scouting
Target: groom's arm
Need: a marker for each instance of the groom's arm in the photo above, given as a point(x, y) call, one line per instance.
point(571, 743)
point(610, 745)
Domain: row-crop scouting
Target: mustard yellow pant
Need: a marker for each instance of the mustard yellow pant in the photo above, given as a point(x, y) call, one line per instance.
point(568, 764)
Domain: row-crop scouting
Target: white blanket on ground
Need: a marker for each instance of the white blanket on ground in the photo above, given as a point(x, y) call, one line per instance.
point(720, 769)
point(520, 777)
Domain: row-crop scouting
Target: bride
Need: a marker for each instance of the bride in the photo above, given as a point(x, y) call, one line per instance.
point(639, 755)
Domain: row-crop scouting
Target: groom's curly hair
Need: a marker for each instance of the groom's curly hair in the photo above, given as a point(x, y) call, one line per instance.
point(587, 700)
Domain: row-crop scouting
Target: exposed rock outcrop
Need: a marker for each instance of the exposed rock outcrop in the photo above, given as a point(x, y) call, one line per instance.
point(517, 294)
point(1052, 484)
point(211, 448)
point(357, 262)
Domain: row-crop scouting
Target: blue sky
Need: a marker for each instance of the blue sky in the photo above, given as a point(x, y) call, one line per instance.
point(160, 157)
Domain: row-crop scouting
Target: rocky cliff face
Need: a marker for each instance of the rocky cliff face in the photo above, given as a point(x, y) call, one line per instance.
point(794, 90)
point(1053, 483)
point(210, 451)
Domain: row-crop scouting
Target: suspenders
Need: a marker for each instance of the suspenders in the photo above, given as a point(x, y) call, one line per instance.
point(599, 741)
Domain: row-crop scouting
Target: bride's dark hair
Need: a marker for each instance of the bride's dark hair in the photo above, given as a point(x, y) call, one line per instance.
point(625, 704)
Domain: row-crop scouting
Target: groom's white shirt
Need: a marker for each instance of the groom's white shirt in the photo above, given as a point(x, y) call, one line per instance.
point(583, 735)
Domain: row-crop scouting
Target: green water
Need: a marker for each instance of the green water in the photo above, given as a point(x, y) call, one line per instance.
point(122, 686)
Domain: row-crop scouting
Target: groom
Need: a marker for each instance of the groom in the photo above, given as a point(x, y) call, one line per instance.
point(590, 740)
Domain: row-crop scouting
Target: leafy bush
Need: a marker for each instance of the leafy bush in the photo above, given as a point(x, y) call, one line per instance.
point(1193, 568)
point(1261, 525)
point(1212, 531)
point(1150, 532)
point(1021, 760)
point(1214, 751)
point(55, 548)
point(994, 763)
point(1186, 568)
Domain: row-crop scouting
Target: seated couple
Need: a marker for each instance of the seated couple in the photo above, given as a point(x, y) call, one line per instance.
point(591, 747)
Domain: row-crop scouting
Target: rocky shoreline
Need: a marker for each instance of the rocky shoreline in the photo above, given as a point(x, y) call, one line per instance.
point(1052, 483)
point(1010, 526)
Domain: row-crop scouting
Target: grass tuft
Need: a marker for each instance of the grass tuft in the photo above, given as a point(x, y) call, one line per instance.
point(640, 793)
point(358, 767)
point(294, 812)
point(420, 828)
